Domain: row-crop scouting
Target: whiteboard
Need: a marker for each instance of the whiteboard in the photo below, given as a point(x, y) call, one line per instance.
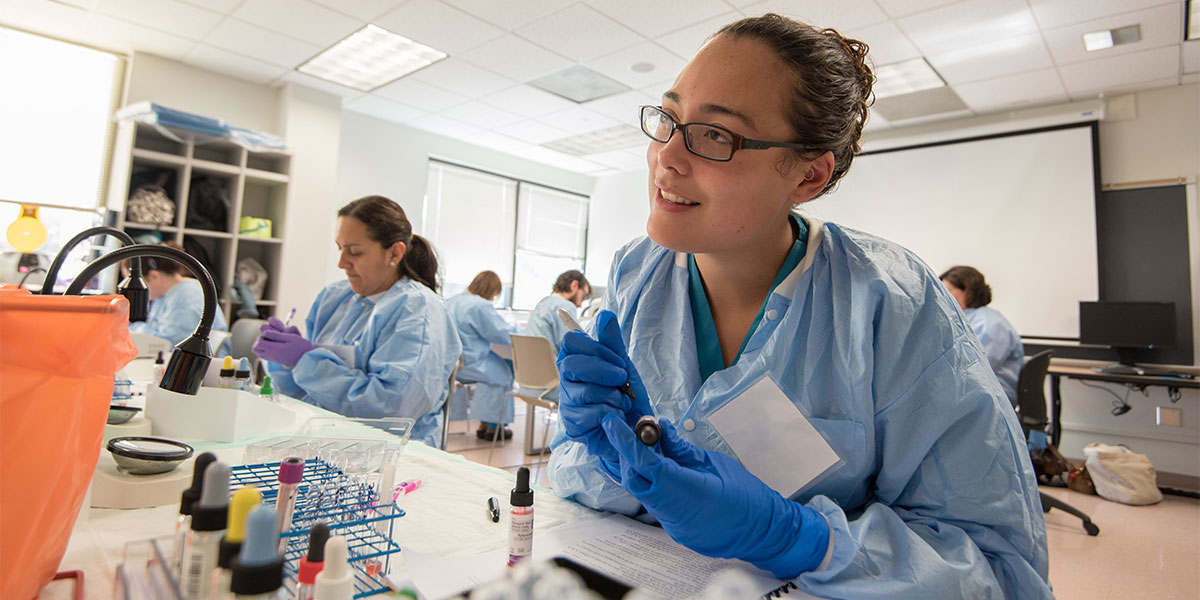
point(1020, 208)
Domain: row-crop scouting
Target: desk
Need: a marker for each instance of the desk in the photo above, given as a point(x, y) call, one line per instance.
point(1085, 369)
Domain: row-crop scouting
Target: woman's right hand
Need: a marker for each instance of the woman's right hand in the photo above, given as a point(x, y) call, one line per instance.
point(277, 325)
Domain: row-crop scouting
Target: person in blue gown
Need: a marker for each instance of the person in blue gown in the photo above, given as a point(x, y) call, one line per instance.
point(379, 343)
point(571, 289)
point(176, 303)
point(479, 327)
point(825, 413)
point(1001, 342)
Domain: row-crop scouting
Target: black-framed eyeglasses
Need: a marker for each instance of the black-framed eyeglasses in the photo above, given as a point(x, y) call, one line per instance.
point(712, 142)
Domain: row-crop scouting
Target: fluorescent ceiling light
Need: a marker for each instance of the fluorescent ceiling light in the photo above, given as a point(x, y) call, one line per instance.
point(905, 78)
point(579, 84)
point(1192, 31)
point(369, 58)
point(600, 140)
point(1099, 40)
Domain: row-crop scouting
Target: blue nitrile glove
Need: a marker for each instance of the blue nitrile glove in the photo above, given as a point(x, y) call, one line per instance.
point(710, 503)
point(281, 347)
point(591, 373)
point(277, 325)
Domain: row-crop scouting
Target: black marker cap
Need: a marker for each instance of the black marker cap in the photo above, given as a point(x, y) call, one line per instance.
point(192, 494)
point(522, 495)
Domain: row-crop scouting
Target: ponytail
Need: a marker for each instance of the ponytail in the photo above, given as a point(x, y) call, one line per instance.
point(420, 263)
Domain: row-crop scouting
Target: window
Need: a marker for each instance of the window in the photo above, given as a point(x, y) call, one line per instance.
point(525, 232)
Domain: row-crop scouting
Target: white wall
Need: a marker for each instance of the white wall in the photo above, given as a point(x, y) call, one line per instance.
point(184, 87)
point(619, 209)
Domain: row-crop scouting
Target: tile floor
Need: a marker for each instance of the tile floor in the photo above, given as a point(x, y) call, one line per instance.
point(1150, 552)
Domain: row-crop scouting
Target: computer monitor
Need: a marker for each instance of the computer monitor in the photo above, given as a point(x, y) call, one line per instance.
point(1127, 326)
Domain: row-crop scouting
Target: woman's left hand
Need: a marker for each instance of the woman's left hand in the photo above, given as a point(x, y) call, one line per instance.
point(710, 503)
point(281, 347)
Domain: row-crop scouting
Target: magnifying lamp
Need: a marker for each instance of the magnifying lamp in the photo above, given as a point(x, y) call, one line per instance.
point(188, 365)
point(134, 287)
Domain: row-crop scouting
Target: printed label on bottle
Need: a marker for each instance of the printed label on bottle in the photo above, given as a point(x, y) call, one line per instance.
point(520, 535)
point(198, 566)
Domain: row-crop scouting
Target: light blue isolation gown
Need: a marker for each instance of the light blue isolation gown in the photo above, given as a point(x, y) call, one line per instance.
point(544, 322)
point(479, 326)
point(1001, 343)
point(174, 316)
point(935, 498)
point(389, 355)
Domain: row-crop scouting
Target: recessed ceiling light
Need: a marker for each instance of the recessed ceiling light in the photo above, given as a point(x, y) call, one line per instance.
point(905, 78)
point(600, 140)
point(641, 67)
point(369, 58)
point(579, 84)
point(1099, 40)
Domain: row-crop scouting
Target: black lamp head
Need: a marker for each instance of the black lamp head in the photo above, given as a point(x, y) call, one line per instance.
point(188, 365)
point(136, 291)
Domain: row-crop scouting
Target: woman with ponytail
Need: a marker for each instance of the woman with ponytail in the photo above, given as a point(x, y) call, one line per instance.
point(380, 343)
point(825, 412)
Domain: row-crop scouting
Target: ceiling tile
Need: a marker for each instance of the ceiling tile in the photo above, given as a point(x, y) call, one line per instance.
point(560, 160)
point(510, 15)
point(234, 65)
point(1006, 93)
point(114, 33)
point(532, 131)
point(660, 16)
point(462, 78)
point(1191, 56)
point(38, 16)
point(367, 10)
point(622, 107)
point(656, 90)
point(527, 101)
point(321, 84)
point(300, 19)
point(483, 116)
point(496, 141)
point(419, 94)
point(164, 15)
point(968, 23)
point(222, 6)
point(1057, 13)
point(617, 65)
point(516, 58)
point(577, 120)
point(439, 25)
point(248, 40)
point(1085, 79)
point(997, 59)
point(622, 160)
point(903, 8)
point(383, 109)
point(876, 122)
point(443, 126)
point(579, 32)
point(1159, 26)
point(1190, 79)
point(840, 15)
point(685, 42)
point(888, 44)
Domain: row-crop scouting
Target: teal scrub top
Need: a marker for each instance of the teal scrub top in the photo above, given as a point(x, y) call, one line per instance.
point(708, 346)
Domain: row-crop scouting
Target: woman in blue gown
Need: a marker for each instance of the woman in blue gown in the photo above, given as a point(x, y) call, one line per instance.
point(479, 327)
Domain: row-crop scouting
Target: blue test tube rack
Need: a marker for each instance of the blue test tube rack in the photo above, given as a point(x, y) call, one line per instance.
point(349, 506)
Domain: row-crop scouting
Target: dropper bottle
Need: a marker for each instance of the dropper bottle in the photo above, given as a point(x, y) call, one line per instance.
point(187, 501)
point(258, 568)
point(313, 562)
point(160, 367)
point(208, 525)
point(240, 505)
point(520, 519)
point(242, 375)
point(336, 580)
point(267, 391)
point(227, 373)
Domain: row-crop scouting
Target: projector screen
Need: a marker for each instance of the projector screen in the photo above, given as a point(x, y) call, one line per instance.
point(1021, 208)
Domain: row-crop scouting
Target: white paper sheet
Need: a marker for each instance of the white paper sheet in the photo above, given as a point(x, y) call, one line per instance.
point(773, 439)
point(622, 548)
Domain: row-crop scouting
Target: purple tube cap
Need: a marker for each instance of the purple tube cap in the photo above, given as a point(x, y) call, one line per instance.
point(291, 470)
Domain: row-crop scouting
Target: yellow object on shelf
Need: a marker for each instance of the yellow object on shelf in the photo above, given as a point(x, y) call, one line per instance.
point(254, 227)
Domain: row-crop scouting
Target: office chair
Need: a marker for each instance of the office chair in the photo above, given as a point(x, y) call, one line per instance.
point(453, 387)
point(243, 334)
point(1031, 411)
point(534, 367)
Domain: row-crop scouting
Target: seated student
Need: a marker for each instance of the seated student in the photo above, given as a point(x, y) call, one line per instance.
point(734, 306)
point(176, 302)
point(570, 291)
point(1000, 339)
point(479, 326)
point(380, 343)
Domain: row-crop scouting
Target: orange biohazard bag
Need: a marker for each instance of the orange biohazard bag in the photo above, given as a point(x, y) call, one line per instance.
point(58, 356)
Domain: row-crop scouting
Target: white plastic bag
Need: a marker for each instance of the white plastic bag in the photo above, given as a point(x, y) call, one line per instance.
point(1122, 475)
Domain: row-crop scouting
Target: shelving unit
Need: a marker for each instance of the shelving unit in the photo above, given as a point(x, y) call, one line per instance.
point(256, 184)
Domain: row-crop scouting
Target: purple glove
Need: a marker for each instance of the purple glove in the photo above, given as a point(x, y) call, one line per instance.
point(281, 347)
point(277, 325)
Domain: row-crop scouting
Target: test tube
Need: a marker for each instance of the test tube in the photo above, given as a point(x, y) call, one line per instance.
point(291, 472)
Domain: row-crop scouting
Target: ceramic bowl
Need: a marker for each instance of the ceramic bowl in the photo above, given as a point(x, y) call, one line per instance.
point(118, 414)
point(140, 455)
